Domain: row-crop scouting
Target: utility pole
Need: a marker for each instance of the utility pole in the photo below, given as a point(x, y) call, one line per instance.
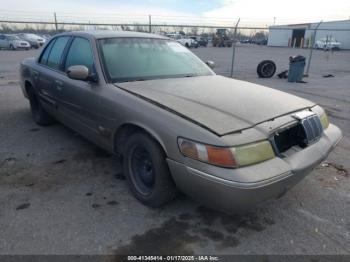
point(312, 49)
point(234, 47)
point(56, 26)
point(149, 23)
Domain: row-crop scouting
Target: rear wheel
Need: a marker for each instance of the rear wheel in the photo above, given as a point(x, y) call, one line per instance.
point(40, 116)
point(266, 69)
point(147, 171)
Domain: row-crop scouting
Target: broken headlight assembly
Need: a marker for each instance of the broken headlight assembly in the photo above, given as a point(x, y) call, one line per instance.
point(229, 157)
point(324, 120)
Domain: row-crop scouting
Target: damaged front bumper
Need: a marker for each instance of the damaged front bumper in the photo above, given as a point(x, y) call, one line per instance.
point(251, 185)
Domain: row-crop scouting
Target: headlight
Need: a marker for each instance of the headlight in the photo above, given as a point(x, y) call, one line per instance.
point(324, 120)
point(227, 156)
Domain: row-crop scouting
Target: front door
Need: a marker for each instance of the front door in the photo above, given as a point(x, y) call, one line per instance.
point(80, 100)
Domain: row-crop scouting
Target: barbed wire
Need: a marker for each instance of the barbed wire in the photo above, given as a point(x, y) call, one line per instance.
point(118, 19)
point(110, 17)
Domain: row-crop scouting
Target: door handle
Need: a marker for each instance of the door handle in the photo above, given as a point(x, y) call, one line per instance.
point(59, 84)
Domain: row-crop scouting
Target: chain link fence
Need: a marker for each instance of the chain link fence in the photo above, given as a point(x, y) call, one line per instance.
point(237, 47)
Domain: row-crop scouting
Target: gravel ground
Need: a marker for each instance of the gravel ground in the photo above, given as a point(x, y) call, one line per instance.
point(59, 194)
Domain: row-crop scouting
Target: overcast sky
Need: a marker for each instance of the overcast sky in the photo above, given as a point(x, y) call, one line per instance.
point(254, 11)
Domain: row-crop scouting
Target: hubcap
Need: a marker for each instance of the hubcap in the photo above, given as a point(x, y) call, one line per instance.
point(141, 170)
point(267, 69)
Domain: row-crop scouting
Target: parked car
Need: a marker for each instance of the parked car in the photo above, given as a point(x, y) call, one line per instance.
point(261, 41)
point(46, 36)
point(34, 40)
point(13, 42)
point(327, 43)
point(202, 41)
point(228, 143)
point(184, 40)
point(245, 41)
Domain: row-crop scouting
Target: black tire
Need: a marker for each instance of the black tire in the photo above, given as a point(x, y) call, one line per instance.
point(187, 45)
point(266, 69)
point(40, 116)
point(12, 47)
point(147, 172)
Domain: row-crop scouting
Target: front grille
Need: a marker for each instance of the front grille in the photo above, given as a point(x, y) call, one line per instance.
point(307, 131)
point(312, 127)
point(292, 136)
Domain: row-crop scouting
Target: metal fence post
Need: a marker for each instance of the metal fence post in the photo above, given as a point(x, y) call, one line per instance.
point(312, 48)
point(234, 47)
point(56, 25)
point(149, 23)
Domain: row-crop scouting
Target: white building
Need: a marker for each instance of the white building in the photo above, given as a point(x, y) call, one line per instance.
point(301, 34)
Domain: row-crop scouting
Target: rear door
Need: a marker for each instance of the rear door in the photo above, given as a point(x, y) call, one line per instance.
point(50, 67)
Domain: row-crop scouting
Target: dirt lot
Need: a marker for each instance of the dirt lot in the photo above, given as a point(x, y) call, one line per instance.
point(59, 194)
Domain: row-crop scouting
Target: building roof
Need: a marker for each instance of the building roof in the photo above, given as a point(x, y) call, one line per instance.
point(309, 25)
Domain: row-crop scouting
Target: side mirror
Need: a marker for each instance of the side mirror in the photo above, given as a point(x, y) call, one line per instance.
point(78, 72)
point(211, 64)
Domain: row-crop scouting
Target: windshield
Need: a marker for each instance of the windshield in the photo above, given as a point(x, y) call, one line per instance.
point(12, 37)
point(135, 59)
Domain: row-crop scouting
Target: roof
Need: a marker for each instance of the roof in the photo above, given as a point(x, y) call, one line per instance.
point(110, 34)
point(308, 25)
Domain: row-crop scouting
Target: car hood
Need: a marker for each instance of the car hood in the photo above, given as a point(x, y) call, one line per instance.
point(220, 104)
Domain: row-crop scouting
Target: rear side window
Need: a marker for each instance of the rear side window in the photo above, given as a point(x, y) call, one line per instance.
point(56, 52)
point(45, 55)
point(80, 53)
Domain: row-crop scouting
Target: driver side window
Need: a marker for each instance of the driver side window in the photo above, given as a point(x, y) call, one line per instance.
point(80, 53)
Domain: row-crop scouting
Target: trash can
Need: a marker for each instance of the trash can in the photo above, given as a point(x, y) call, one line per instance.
point(296, 68)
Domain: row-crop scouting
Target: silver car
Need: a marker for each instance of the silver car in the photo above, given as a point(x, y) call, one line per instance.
point(34, 40)
point(179, 126)
point(13, 42)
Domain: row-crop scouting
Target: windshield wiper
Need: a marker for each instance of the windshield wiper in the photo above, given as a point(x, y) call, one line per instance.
point(190, 75)
point(134, 80)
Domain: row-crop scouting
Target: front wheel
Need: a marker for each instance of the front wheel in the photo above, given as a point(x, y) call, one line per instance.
point(147, 171)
